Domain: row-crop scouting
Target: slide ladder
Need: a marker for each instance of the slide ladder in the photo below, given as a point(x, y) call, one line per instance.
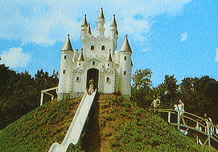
point(76, 126)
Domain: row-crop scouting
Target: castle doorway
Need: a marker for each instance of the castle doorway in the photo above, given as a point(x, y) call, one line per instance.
point(92, 74)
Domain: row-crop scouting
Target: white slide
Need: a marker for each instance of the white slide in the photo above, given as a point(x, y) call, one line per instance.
point(76, 126)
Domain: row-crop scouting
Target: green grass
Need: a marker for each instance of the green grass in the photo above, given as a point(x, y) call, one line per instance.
point(37, 130)
point(122, 127)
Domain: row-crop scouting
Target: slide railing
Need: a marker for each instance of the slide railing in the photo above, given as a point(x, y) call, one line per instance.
point(76, 126)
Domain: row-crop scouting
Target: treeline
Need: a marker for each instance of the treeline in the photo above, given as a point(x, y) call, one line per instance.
point(20, 92)
point(199, 95)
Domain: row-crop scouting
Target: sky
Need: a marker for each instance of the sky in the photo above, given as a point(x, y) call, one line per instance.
point(167, 36)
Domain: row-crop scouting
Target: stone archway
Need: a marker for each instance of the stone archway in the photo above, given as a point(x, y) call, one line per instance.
point(92, 74)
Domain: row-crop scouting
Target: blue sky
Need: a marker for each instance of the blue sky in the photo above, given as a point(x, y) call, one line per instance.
point(166, 36)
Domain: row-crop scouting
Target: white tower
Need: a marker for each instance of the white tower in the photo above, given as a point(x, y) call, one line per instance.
point(84, 28)
point(126, 67)
point(65, 69)
point(114, 34)
point(100, 24)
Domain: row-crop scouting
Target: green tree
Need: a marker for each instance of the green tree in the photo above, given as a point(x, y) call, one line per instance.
point(141, 89)
point(20, 92)
point(199, 95)
point(168, 92)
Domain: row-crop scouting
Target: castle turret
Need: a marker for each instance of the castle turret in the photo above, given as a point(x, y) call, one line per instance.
point(126, 67)
point(100, 24)
point(84, 28)
point(109, 61)
point(114, 33)
point(89, 32)
point(81, 59)
point(75, 56)
point(65, 65)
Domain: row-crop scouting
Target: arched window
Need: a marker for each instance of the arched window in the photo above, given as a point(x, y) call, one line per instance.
point(108, 79)
point(65, 57)
point(108, 64)
point(124, 57)
point(103, 47)
point(92, 47)
point(93, 63)
point(63, 71)
point(124, 73)
point(77, 78)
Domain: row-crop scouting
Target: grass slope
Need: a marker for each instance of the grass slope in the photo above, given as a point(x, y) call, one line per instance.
point(114, 125)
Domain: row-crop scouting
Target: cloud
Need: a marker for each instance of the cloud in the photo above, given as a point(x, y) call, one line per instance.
point(184, 36)
point(217, 55)
point(145, 50)
point(14, 58)
point(45, 22)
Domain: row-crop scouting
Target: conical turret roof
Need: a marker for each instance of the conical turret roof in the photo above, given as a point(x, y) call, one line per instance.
point(109, 59)
point(67, 45)
point(101, 15)
point(125, 45)
point(89, 29)
point(114, 23)
point(84, 23)
point(81, 57)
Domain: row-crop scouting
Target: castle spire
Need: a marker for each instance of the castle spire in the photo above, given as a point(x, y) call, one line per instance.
point(84, 23)
point(67, 45)
point(114, 23)
point(101, 15)
point(100, 24)
point(81, 57)
point(89, 30)
point(109, 57)
point(125, 47)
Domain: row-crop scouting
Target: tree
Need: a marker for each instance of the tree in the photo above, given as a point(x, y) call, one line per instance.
point(168, 92)
point(141, 89)
point(20, 92)
point(199, 95)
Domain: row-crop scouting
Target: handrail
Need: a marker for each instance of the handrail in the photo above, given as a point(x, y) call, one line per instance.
point(209, 134)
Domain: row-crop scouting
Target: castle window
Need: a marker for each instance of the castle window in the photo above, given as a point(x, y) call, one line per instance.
point(93, 63)
point(103, 47)
point(124, 73)
point(124, 57)
point(92, 47)
point(108, 79)
point(65, 57)
point(108, 64)
point(63, 71)
point(77, 78)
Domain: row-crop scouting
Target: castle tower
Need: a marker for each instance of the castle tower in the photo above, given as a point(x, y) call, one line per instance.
point(114, 33)
point(126, 67)
point(84, 28)
point(65, 68)
point(100, 24)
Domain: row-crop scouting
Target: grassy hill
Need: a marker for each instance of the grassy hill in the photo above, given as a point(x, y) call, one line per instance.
point(114, 125)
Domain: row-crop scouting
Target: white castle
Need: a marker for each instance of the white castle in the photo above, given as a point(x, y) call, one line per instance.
point(98, 60)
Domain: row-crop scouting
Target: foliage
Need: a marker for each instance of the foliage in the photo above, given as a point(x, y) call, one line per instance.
point(168, 91)
point(198, 94)
point(138, 130)
point(20, 93)
point(38, 129)
point(141, 91)
point(130, 128)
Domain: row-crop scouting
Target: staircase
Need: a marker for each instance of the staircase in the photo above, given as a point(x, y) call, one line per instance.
point(76, 126)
